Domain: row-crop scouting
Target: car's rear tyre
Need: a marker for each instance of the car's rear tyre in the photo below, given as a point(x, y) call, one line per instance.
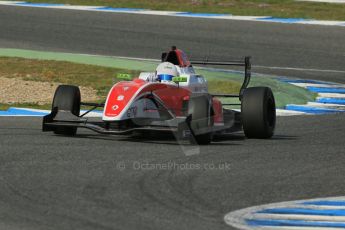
point(67, 98)
point(200, 109)
point(258, 112)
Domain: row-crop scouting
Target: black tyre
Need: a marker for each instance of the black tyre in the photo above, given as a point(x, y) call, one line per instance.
point(67, 98)
point(258, 112)
point(200, 109)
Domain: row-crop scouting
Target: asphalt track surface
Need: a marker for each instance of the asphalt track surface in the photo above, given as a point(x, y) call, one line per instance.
point(270, 44)
point(54, 182)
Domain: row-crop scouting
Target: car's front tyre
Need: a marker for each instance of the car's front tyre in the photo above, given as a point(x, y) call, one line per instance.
point(67, 98)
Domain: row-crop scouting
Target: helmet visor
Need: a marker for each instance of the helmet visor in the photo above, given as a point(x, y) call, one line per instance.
point(165, 77)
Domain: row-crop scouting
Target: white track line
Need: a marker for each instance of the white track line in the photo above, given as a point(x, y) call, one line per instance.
point(179, 14)
point(324, 105)
point(300, 69)
point(332, 95)
point(325, 85)
point(283, 113)
point(10, 2)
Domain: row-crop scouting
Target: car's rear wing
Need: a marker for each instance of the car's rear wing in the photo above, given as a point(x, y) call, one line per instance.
point(246, 63)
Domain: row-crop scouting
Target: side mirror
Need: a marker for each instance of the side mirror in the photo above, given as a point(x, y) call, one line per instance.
point(124, 76)
point(179, 79)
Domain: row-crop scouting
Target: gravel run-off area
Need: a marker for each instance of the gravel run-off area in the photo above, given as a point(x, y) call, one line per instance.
point(16, 90)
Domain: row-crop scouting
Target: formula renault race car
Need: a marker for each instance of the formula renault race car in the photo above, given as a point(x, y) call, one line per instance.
point(172, 99)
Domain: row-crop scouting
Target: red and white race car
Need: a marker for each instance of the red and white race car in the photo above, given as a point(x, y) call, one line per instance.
point(175, 99)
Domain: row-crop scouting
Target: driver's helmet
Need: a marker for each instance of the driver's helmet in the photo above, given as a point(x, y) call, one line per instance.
point(166, 71)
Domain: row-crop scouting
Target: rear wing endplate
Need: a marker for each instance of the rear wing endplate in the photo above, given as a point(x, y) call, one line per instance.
point(246, 63)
